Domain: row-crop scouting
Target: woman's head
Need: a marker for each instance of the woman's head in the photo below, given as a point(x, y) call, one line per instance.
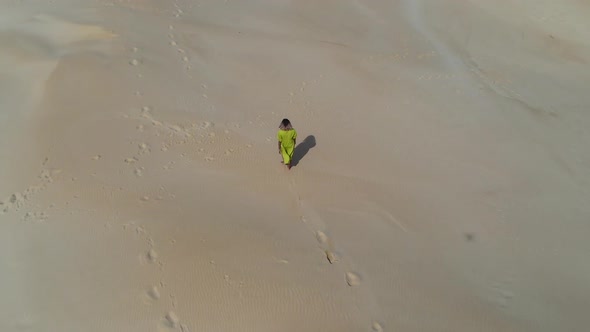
point(286, 124)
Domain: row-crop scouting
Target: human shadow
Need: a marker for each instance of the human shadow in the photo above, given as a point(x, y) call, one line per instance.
point(302, 149)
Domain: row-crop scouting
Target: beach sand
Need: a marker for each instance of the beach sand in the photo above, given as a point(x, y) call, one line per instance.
point(441, 181)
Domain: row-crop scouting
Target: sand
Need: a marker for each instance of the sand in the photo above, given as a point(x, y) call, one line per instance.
point(440, 183)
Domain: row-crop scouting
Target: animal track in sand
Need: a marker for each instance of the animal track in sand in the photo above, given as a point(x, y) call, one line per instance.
point(17, 200)
point(173, 128)
point(144, 149)
point(169, 165)
point(138, 172)
point(37, 216)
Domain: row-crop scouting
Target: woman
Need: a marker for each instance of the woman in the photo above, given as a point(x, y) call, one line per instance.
point(287, 137)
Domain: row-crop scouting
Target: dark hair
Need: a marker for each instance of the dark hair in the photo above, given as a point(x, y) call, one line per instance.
point(285, 124)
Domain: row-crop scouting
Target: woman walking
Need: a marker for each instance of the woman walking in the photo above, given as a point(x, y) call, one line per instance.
point(287, 137)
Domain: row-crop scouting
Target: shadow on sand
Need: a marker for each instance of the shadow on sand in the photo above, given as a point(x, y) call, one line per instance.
point(302, 149)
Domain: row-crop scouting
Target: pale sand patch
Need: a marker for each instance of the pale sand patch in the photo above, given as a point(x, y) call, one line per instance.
point(440, 185)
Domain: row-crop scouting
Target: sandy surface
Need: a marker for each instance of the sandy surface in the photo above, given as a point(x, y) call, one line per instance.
point(442, 177)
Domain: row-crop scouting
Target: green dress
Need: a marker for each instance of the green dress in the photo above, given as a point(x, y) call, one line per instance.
point(287, 140)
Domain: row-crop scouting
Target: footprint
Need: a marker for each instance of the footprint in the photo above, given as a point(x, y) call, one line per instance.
point(353, 279)
point(332, 258)
point(97, 157)
point(154, 293)
point(172, 320)
point(144, 149)
point(138, 172)
point(152, 255)
point(134, 62)
point(139, 230)
point(169, 165)
point(376, 327)
point(131, 160)
point(502, 295)
point(321, 237)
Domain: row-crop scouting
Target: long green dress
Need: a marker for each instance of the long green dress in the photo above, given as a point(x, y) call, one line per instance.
point(287, 140)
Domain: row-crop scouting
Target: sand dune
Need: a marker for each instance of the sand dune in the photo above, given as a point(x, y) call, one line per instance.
point(440, 181)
